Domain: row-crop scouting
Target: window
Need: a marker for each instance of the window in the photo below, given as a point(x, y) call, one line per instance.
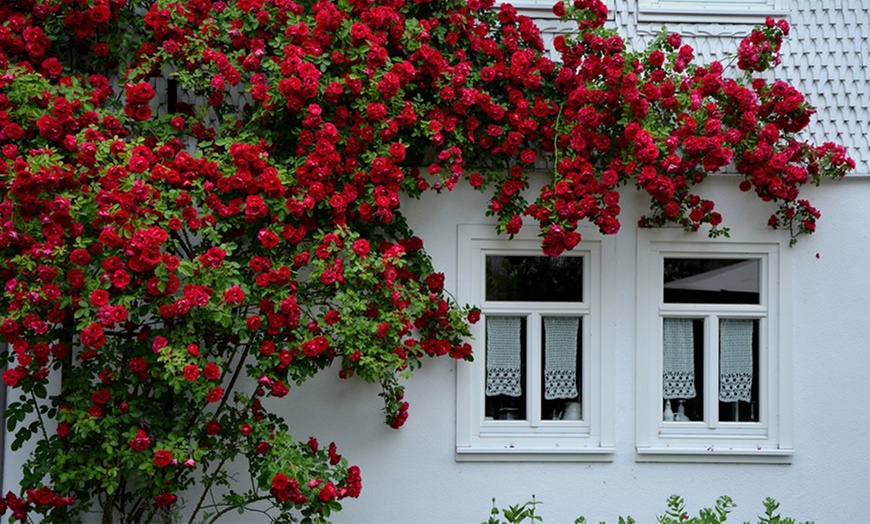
point(536, 388)
point(542, 9)
point(712, 350)
point(749, 12)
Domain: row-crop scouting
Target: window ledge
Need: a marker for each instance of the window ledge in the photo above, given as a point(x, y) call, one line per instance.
point(533, 454)
point(757, 455)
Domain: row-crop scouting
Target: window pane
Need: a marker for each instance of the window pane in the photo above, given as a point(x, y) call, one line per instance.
point(738, 370)
point(562, 344)
point(683, 369)
point(505, 368)
point(534, 278)
point(711, 281)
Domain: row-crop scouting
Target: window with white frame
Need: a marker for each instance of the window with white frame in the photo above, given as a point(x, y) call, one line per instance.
point(543, 9)
point(536, 388)
point(712, 350)
point(711, 11)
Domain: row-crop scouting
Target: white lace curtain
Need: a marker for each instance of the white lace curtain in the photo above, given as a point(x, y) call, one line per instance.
point(503, 347)
point(678, 378)
point(735, 359)
point(560, 363)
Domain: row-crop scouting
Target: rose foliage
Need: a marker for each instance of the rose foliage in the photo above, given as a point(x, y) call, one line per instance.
point(171, 270)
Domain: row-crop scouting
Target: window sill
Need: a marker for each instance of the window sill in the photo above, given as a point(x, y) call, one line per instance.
point(724, 454)
point(510, 453)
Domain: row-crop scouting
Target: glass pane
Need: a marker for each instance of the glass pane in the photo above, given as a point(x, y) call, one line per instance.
point(738, 370)
point(711, 281)
point(534, 278)
point(505, 368)
point(562, 343)
point(683, 369)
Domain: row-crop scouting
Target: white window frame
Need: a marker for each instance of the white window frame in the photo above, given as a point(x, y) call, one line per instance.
point(770, 439)
point(590, 439)
point(543, 9)
point(750, 12)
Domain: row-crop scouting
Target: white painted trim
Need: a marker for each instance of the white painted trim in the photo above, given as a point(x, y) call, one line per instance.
point(542, 9)
point(711, 11)
point(590, 439)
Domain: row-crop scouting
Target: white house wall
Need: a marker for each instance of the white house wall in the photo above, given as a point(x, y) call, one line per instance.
point(411, 475)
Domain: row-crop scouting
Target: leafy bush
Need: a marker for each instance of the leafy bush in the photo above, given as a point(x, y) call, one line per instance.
point(675, 514)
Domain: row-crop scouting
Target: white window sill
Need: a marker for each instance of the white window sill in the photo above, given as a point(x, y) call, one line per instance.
point(520, 453)
point(724, 454)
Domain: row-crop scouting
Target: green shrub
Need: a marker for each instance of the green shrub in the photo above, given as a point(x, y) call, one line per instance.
point(675, 514)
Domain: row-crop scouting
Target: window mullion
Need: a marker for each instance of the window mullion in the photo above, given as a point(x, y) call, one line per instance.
point(533, 371)
point(711, 369)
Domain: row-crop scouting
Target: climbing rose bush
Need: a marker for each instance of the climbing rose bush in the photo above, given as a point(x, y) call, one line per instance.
point(200, 208)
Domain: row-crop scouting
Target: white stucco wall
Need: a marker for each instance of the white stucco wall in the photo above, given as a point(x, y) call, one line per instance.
point(410, 475)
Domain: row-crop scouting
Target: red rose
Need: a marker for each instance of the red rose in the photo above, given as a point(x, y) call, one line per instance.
point(93, 336)
point(99, 14)
point(327, 492)
point(213, 427)
point(435, 282)
point(334, 457)
point(79, 257)
point(354, 482)
point(253, 322)
point(101, 397)
point(164, 499)
point(137, 365)
point(514, 225)
point(215, 394)
point(267, 238)
point(279, 389)
point(234, 295)
point(13, 131)
point(212, 371)
point(191, 372)
point(140, 442)
point(139, 93)
point(280, 482)
point(162, 458)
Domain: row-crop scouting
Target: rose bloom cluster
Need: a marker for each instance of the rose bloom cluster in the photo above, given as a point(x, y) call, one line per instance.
point(249, 231)
point(617, 127)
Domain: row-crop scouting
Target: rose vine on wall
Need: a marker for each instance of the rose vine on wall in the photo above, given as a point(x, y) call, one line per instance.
point(170, 271)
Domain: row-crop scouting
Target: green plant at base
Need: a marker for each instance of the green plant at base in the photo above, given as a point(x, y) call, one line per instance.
point(675, 514)
point(516, 513)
